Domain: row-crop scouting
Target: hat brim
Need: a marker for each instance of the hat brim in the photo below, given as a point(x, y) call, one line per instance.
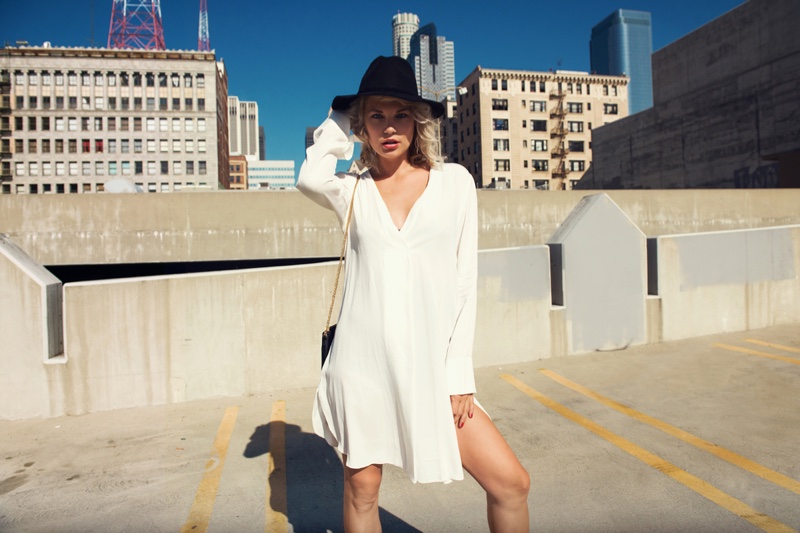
point(344, 102)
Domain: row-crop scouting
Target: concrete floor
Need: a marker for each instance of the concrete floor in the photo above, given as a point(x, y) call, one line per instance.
point(703, 438)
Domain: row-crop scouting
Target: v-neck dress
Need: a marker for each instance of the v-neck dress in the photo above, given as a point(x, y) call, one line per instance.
point(405, 332)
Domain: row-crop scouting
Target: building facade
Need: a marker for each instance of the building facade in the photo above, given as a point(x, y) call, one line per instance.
point(243, 130)
point(524, 129)
point(73, 118)
point(404, 25)
point(238, 176)
point(622, 45)
point(433, 60)
point(724, 113)
point(270, 175)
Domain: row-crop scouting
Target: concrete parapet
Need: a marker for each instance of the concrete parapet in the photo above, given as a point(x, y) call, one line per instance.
point(728, 281)
point(31, 332)
point(599, 264)
point(220, 226)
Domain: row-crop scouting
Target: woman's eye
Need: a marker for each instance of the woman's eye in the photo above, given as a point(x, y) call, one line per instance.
point(377, 116)
point(402, 115)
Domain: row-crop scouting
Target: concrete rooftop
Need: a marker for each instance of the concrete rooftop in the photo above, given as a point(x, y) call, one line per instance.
point(703, 438)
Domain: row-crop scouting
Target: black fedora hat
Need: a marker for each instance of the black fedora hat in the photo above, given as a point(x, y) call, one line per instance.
point(388, 76)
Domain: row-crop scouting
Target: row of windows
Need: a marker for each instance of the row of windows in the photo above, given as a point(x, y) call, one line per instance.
point(62, 188)
point(110, 168)
point(537, 165)
point(136, 146)
point(537, 145)
point(110, 79)
point(501, 124)
point(571, 88)
point(124, 103)
point(110, 123)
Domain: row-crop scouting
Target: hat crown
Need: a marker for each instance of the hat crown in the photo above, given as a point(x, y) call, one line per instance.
point(393, 74)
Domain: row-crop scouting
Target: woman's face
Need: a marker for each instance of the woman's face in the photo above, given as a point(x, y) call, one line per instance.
point(390, 127)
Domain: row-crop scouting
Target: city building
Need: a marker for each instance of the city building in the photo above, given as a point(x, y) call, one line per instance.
point(73, 118)
point(262, 144)
point(622, 45)
point(433, 60)
point(243, 130)
point(524, 129)
point(238, 178)
point(272, 175)
point(404, 25)
point(724, 106)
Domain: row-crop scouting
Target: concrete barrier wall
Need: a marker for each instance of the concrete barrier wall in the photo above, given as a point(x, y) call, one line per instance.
point(30, 333)
point(728, 281)
point(228, 225)
point(150, 341)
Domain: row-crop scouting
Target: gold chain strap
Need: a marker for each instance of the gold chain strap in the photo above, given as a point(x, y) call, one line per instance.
point(341, 256)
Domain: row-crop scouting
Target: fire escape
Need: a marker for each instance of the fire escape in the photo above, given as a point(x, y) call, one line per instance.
point(558, 134)
point(5, 125)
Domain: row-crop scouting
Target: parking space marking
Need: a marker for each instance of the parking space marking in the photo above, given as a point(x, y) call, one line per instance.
point(773, 345)
point(756, 352)
point(277, 505)
point(723, 453)
point(200, 513)
point(703, 488)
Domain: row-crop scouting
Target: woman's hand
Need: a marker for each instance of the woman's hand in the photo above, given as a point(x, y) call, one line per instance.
point(463, 406)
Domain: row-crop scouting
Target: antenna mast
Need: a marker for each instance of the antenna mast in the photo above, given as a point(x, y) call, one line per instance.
point(136, 24)
point(203, 39)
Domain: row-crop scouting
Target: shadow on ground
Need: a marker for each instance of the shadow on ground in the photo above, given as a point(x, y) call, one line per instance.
point(313, 482)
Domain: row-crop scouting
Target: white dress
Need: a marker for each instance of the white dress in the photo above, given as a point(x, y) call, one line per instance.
point(404, 336)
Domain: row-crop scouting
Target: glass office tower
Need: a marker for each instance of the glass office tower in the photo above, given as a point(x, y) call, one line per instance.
point(622, 44)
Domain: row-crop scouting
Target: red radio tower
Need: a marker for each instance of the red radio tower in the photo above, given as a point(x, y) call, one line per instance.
point(203, 40)
point(136, 24)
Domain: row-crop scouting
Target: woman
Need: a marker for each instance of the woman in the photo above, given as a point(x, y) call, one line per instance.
point(398, 385)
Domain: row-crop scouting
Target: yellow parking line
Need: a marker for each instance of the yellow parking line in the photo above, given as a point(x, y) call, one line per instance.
point(755, 352)
point(724, 500)
point(773, 345)
point(727, 455)
point(200, 513)
point(277, 508)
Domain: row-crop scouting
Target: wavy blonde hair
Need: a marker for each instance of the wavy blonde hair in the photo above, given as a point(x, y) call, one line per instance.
point(425, 149)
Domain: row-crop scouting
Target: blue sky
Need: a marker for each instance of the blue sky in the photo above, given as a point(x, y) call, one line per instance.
point(292, 57)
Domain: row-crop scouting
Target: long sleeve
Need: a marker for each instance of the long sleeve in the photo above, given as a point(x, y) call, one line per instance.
point(460, 373)
point(318, 178)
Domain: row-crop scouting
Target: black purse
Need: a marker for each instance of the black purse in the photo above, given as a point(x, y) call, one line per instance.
point(330, 329)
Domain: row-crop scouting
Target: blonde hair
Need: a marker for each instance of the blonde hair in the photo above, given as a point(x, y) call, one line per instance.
point(425, 149)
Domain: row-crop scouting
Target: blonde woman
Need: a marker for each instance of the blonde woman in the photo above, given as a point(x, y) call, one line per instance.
point(398, 385)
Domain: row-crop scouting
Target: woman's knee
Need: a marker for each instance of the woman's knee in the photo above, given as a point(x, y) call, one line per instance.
point(363, 485)
point(515, 485)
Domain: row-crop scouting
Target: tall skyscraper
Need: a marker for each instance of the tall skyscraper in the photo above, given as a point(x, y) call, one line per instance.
point(432, 58)
point(243, 128)
point(622, 44)
point(404, 25)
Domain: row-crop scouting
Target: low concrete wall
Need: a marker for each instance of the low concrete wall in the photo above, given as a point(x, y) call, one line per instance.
point(150, 341)
point(30, 333)
point(728, 281)
point(228, 225)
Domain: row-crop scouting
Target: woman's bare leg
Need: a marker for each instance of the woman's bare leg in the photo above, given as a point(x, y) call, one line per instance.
point(490, 460)
point(361, 487)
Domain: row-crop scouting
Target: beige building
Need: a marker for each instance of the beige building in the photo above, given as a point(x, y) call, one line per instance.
point(72, 119)
point(524, 129)
point(238, 177)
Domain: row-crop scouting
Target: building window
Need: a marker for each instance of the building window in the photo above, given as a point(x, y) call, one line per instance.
point(151, 104)
point(164, 167)
point(163, 124)
point(201, 104)
point(538, 106)
point(500, 124)
point(498, 104)
point(86, 146)
point(503, 85)
point(575, 127)
point(202, 167)
point(73, 146)
point(45, 146)
point(86, 168)
point(576, 146)
point(538, 125)
point(151, 168)
point(137, 123)
point(610, 109)
point(47, 168)
point(137, 146)
point(126, 168)
point(125, 146)
point(201, 146)
point(190, 167)
point(73, 168)
point(98, 146)
point(177, 167)
point(187, 80)
point(162, 79)
point(137, 168)
point(112, 146)
point(539, 165)
point(163, 145)
point(575, 107)
point(613, 90)
point(151, 124)
point(501, 145)
point(124, 124)
point(99, 168)
point(176, 124)
point(605, 90)
point(162, 104)
point(494, 85)
point(189, 146)
point(188, 124)
point(502, 164)
point(176, 145)
point(151, 145)
point(539, 145)
point(98, 123)
point(187, 104)
point(201, 81)
point(112, 168)
point(201, 124)
point(576, 165)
